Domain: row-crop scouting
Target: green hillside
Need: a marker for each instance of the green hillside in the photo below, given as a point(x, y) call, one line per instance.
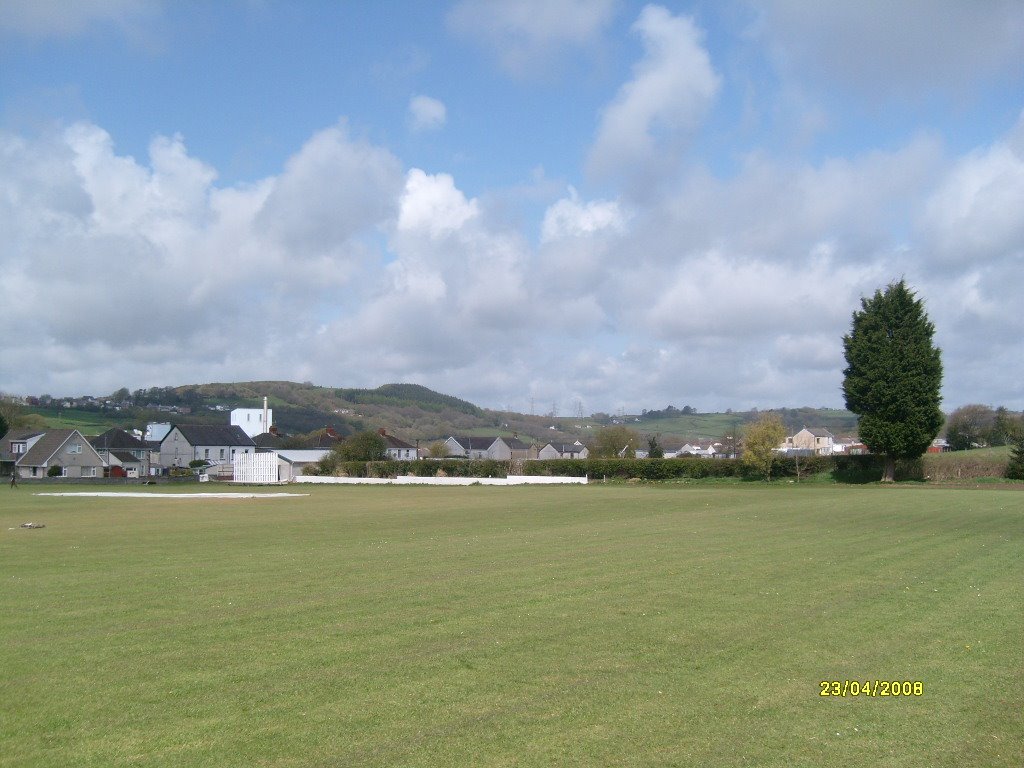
point(410, 411)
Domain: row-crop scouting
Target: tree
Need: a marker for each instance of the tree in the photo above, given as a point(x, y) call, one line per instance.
point(654, 449)
point(762, 439)
point(893, 375)
point(1015, 469)
point(13, 416)
point(363, 446)
point(969, 426)
point(437, 450)
point(1003, 426)
point(615, 440)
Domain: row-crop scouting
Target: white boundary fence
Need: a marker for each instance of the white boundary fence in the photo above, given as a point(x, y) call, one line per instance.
point(413, 480)
point(256, 468)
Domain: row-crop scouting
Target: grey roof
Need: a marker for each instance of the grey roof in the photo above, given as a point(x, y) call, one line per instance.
point(475, 443)
point(213, 434)
point(126, 457)
point(268, 440)
point(15, 435)
point(515, 444)
point(396, 442)
point(819, 431)
point(117, 440)
point(565, 448)
point(47, 445)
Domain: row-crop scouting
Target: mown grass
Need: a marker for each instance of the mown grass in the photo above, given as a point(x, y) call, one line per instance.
point(617, 625)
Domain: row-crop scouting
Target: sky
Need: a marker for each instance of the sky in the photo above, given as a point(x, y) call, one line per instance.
point(566, 205)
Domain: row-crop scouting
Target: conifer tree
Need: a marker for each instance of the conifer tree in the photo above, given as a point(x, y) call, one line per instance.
point(1015, 469)
point(893, 376)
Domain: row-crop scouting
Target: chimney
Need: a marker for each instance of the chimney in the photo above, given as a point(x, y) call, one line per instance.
point(382, 432)
point(266, 424)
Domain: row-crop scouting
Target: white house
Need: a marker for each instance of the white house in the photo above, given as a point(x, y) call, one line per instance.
point(397, 448)
point(253, 421)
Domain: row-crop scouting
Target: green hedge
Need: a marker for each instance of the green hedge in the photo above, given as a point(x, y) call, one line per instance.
point(843, 469)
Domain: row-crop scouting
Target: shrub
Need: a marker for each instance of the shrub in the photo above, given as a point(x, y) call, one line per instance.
point(1015, 469)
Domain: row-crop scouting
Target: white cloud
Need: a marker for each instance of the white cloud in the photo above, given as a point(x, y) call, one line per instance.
point(974, 216)
point(426, 113)
point(645, 127)
point(49, 19)
point(331, 190)
point(526, 35)
point(569, 217)
point(433, 206)
point(344, 268)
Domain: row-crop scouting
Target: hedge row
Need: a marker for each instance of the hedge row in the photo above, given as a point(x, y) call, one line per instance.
point(844, 469)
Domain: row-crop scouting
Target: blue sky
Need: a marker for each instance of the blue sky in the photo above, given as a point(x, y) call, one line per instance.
point(621, 204)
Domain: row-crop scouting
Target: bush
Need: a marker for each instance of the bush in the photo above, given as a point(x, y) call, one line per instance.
point(1015, 469)
point(55, 471)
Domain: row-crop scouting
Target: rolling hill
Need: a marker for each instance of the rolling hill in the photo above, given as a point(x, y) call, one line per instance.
point(410, 411)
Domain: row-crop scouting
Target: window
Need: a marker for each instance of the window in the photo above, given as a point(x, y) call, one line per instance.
point(75, 448)
point(206, 453)
point(17, 447)
point(88, 471)
point(222, 453)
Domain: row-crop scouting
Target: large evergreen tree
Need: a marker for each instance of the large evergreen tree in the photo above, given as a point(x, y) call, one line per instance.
point(893, 375)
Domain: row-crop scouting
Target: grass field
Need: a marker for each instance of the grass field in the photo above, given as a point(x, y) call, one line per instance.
point(595, 626)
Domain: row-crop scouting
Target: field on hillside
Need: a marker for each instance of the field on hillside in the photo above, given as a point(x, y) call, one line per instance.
point(477, 626)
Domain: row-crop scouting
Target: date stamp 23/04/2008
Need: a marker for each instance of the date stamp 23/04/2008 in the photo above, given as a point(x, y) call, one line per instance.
point(871, 688)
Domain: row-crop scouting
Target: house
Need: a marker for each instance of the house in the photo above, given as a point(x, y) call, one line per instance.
point(703, 448)
point(469, 447)
point(253, 421)
point(35, 453)
point(14, 445)
point(292, 463)
point(939, 445)
point(816, 440)
point(497, 448)
point(272, 438)
point(327, 437)
point(397, 448)
point(511, 448)
point(216, 444)
point(121, 449)
point(554, 450)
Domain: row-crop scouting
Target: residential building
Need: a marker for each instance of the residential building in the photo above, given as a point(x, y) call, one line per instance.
point(216, 444)
point(121, 449)
point(815, 440)
point(557, 450)
point(397, 448)
point(253, 421)
point(35, 453)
